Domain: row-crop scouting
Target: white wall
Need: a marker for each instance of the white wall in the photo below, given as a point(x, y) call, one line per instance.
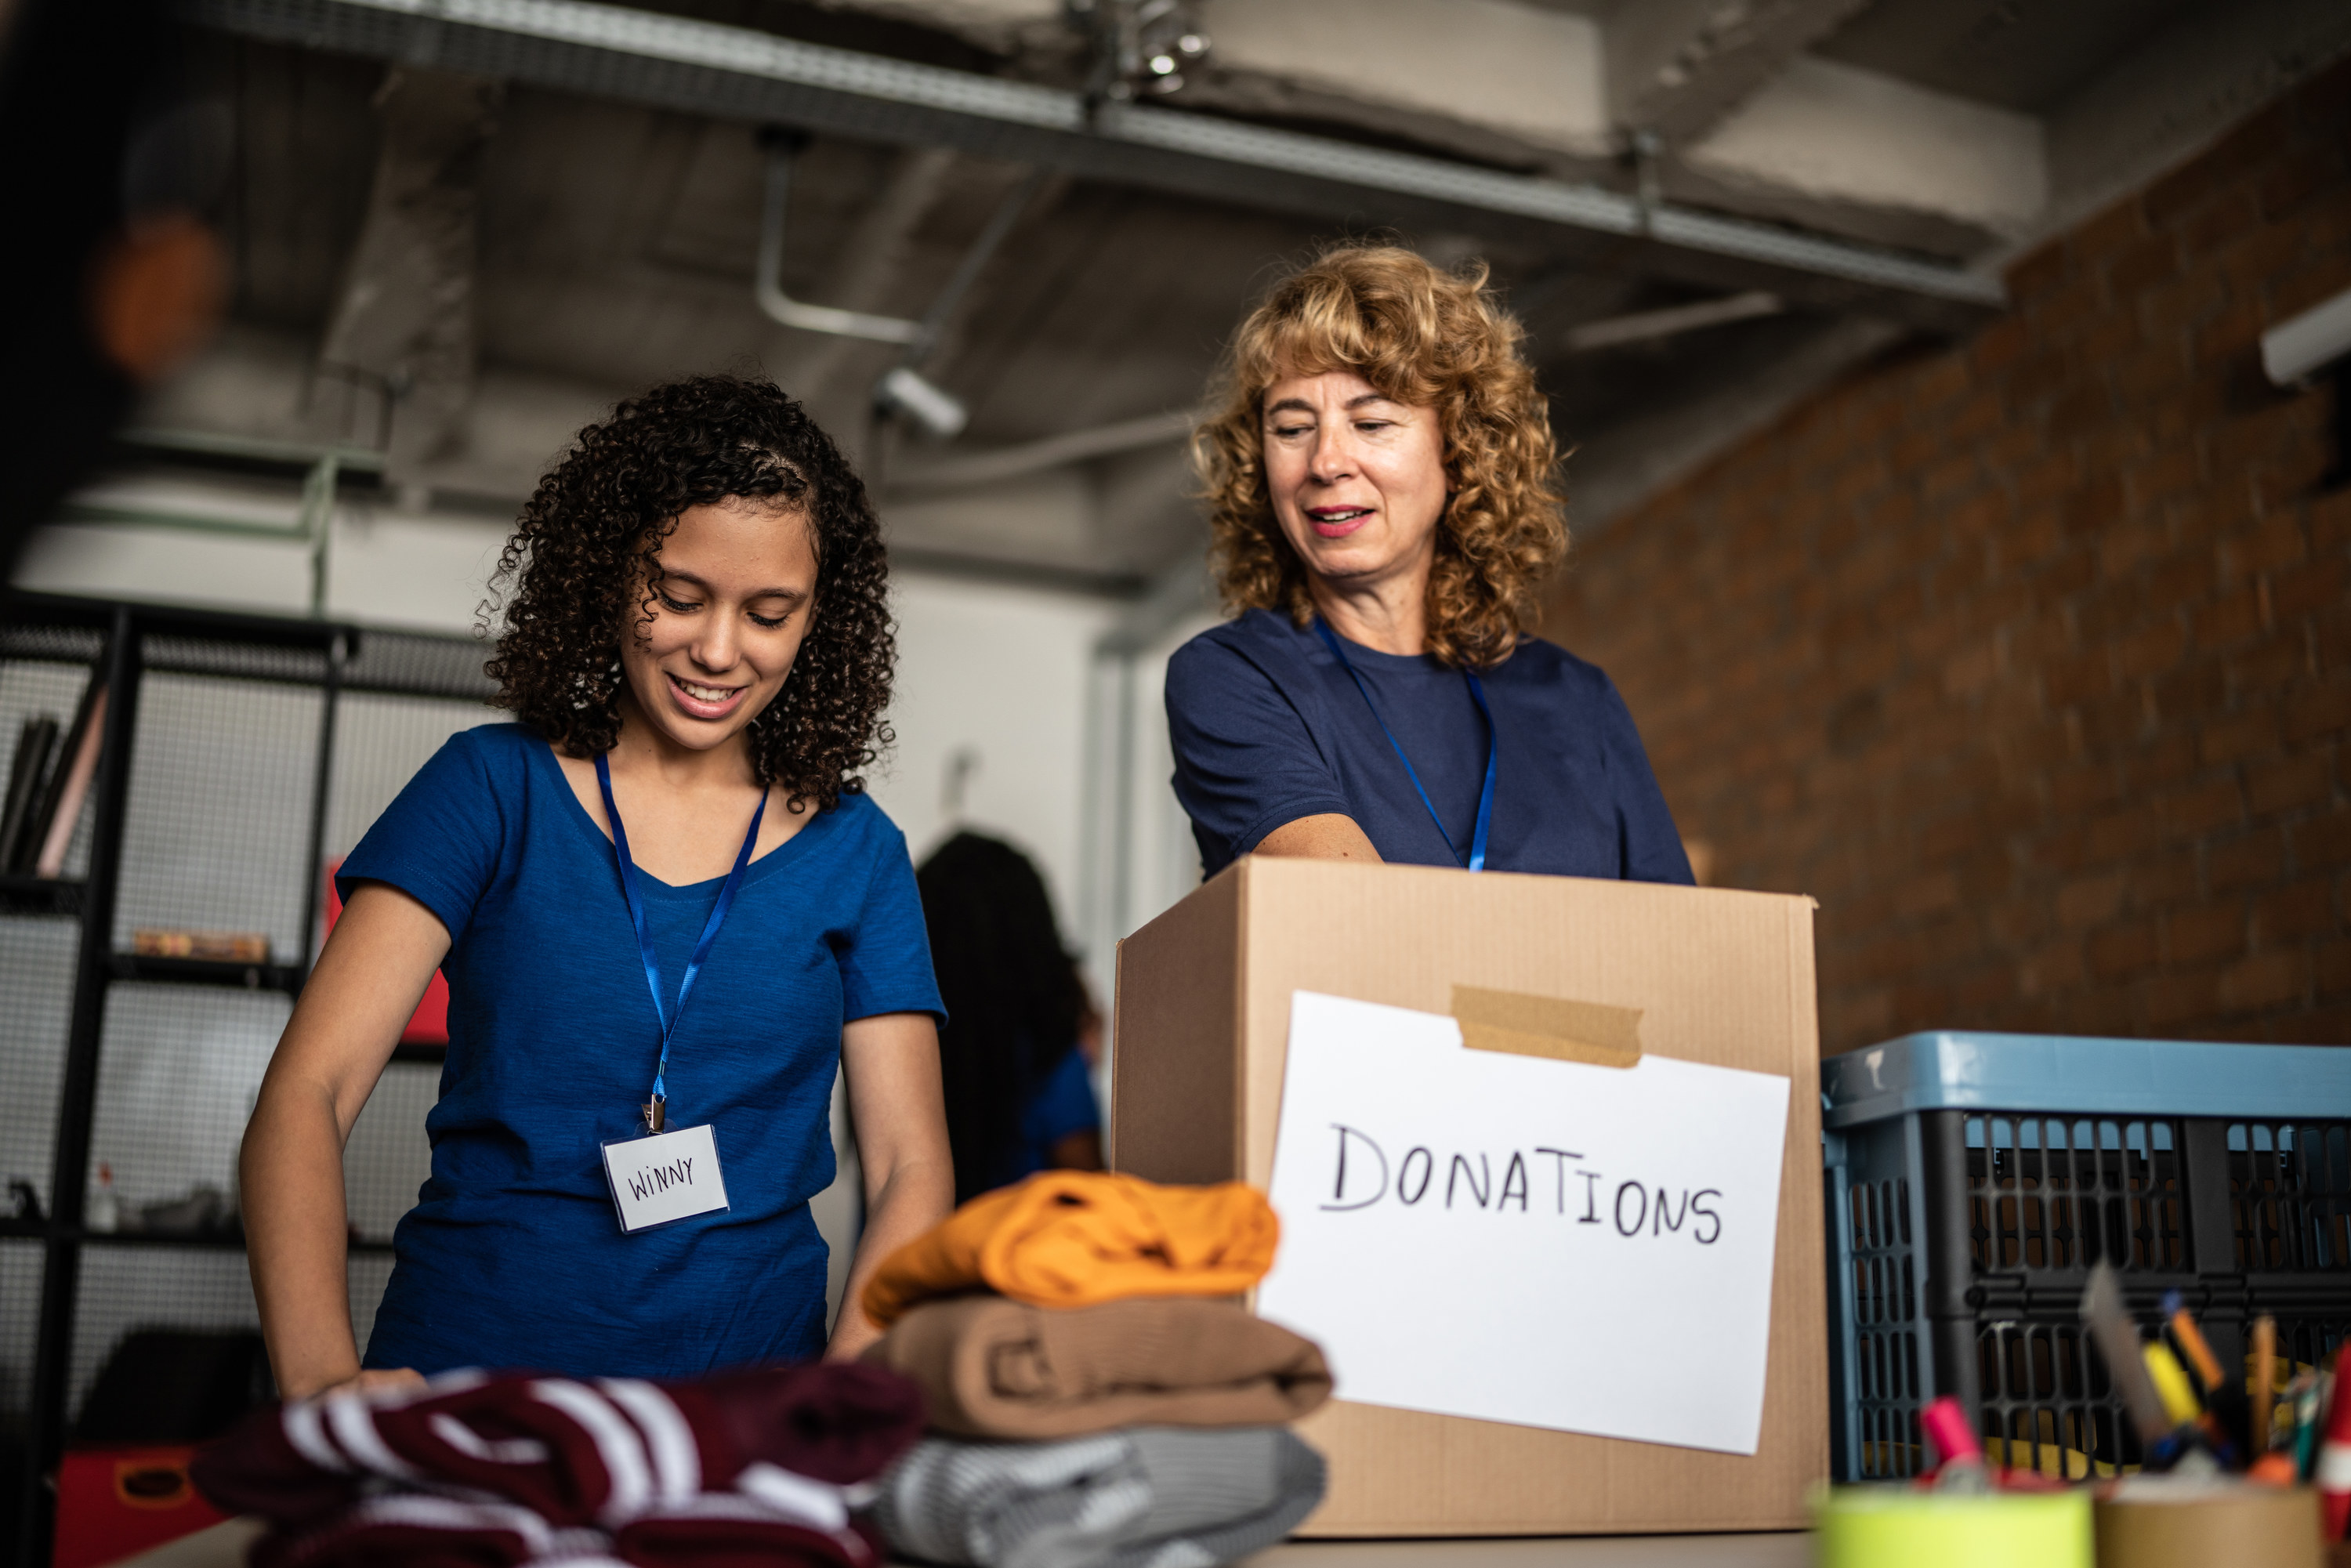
point(997, 674)
point(385, 567)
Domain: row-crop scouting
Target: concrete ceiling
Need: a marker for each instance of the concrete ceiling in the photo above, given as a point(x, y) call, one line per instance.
point(2012, 53)
point(614, 242)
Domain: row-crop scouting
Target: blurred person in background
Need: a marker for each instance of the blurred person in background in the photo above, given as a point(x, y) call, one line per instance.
point(115, 273)
point(1019, 1097)
point(1382, 492)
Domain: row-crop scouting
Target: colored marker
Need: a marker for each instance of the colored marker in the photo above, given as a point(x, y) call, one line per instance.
point(2333, 1475)
point(2192, 1342)
point(1954, 1436)
point(2264, 1384)
point(2308, 1397)
point(2172, 1384)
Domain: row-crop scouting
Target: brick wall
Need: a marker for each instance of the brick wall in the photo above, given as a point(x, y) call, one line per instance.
point(2030, 657)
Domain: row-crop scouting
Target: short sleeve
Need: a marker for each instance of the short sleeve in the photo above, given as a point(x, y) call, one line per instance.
point(1062, 1104)
point(1245, 763)
point(1648, 843)
point(885, 961)
point(440, 839)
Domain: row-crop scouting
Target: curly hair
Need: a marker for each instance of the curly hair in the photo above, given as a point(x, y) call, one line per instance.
point(1422, 336)
point(586, 553)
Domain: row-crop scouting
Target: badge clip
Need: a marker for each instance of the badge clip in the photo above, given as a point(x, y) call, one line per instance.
point(656, 1114)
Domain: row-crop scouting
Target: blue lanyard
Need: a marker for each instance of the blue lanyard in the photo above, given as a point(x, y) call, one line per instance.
point(654, 1114)
point(1493, 746)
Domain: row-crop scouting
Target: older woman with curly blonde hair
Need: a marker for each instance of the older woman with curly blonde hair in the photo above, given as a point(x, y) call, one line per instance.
point(1382, 485)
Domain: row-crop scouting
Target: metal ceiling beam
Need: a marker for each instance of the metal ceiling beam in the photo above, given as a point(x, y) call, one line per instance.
point(1678, 69)
point(701, 67)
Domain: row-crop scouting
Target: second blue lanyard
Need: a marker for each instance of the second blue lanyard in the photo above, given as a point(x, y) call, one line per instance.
point(644, 933)
point(1476, 861)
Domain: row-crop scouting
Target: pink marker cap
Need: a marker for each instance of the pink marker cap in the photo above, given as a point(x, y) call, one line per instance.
point(1949, 1428)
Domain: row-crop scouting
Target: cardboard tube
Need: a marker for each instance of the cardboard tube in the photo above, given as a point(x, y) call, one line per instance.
point(2146, 1524)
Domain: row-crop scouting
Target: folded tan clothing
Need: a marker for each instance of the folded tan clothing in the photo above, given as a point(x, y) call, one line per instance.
point(995, 1368)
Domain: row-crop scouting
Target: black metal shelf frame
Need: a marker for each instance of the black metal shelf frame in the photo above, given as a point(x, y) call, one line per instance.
point(122, 659)
point(40, 895)
point(286, 977)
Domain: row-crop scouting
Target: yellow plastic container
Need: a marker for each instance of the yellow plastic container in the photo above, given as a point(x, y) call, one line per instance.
point(1901, 1527)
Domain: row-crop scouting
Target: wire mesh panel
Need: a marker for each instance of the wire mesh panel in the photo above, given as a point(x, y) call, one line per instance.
point(381, 741)
point(126, 1286)
point(35, 642)
point(416, 664)
point(20, 1313)
point(37, 958)
point(217, 833)
point(387, 1158)
point(231, 658)
point(20, 1308)
point(177, 1075)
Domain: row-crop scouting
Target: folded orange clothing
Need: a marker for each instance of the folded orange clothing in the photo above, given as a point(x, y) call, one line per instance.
point(1071, 1239)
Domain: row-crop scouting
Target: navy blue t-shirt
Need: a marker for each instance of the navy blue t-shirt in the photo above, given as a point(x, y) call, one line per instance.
point(1062, 1104)
point(513, 1256)
point(1267, 727)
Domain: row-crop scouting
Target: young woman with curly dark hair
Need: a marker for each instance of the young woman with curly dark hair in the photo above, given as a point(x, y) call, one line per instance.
point(1381, 488)
point(666, 909)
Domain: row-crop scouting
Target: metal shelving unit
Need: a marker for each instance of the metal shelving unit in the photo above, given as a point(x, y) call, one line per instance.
point(205, 664)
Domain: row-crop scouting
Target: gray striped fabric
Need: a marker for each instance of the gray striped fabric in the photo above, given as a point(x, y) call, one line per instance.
point(1146, 1497)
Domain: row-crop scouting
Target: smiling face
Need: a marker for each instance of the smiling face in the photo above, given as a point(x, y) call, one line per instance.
point(731, 604)
point(1357, 480)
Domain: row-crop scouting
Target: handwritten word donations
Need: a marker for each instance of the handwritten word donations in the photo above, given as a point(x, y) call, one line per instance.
point(1364, 1177)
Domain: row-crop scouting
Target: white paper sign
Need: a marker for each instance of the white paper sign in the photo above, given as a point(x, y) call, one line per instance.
point(670, 1175)
point(1517, 1240)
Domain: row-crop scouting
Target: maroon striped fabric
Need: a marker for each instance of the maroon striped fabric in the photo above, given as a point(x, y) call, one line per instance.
point(482, 1471)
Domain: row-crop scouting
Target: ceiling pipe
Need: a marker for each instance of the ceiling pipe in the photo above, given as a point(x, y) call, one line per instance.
point(903, 388)
point(767, 283)
point(1052, 451)
point(1646, 325)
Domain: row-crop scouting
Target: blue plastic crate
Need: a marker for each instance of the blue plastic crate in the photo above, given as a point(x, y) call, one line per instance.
point(1973, 1179)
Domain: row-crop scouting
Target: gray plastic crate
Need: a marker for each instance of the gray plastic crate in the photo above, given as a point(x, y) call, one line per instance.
point(1973, 1179)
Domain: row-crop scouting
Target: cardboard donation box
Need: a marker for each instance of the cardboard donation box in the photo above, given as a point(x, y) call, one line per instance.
point(1545, 1152)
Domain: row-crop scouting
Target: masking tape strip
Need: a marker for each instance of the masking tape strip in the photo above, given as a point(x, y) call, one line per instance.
point(1561, 1031)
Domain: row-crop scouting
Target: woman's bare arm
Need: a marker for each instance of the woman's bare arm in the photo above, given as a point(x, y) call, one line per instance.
point(358, 997)
point(900, 1113)
point(1327, 836)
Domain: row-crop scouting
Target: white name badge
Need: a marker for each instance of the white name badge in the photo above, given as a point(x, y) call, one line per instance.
point(670, 1175)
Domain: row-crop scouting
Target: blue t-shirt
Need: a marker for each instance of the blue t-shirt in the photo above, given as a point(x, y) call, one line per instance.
point(513, 1256)
point(1267, 728)
point(1062, 1104)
